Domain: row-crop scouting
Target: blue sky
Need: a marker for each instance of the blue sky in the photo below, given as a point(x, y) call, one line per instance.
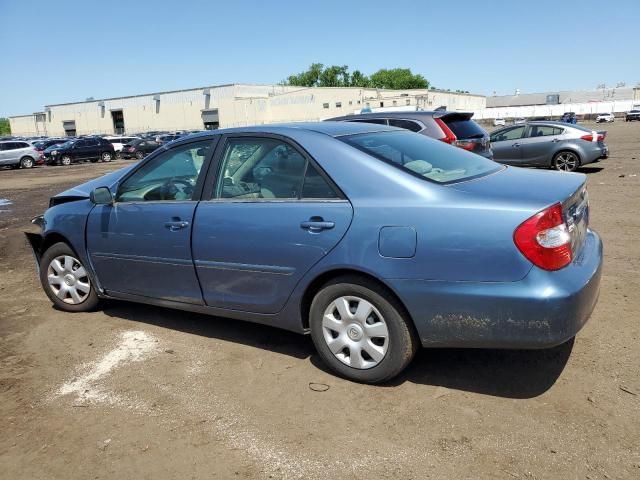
point(63, 51)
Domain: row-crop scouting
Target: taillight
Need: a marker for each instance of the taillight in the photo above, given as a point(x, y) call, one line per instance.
point(544, 239)
point(465, 144)
point(449, 136)
point(590, 138)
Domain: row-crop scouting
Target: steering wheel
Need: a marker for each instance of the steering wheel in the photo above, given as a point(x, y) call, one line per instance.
point(174, 186)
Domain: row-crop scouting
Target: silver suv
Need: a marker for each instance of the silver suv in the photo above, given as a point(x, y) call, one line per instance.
point(18, 154)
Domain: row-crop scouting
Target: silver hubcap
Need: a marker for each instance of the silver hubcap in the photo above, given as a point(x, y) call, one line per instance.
point(106, 157)
point(27, 163)
point(68, 280)
point(566, 161)
point(355, 332)
point(66, 160)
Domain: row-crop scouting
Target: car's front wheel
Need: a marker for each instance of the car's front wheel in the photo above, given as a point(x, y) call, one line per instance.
point(361, 331)
point(65, 160)
point(106, 156)
point(66, 281)
point(139, 155)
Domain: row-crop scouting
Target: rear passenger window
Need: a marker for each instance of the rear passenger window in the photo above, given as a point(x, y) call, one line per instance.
point(262, 168)
point(315, 186)
point(406, 124)
point(544, 131)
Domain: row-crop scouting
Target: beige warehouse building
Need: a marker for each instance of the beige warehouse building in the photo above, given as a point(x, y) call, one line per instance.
point(226, 106)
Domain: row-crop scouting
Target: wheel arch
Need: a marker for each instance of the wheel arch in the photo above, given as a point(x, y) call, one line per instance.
point(52, 238)
point(325, 277)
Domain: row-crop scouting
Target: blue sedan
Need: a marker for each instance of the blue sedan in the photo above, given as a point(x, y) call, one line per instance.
point(373, 239)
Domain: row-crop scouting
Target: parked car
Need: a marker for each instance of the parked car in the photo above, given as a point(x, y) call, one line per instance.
point(87, 148)
point(42, 145)
point(519, 121)
point(370, 238)
point(118, 142)
point(454, 128)
point(569, 117)
point(139, 148)
point(548, 144)
point(632, 115)
point(18, 154)
point(605, 117)
point(499, 122)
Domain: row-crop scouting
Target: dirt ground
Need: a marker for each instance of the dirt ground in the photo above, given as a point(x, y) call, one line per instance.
point(139, 392)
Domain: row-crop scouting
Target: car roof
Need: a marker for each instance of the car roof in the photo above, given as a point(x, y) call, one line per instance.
point(332, 129)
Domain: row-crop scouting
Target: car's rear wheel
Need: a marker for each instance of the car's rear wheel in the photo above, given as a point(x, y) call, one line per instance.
point(139, 155)
point(65, 280)
point(360, 330)
point(118, 155)
point(26, 162)
point(566, 161)
point(65, 160)
point(106, 156)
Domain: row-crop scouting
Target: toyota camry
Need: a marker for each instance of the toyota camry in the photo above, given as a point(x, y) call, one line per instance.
point(372, 239)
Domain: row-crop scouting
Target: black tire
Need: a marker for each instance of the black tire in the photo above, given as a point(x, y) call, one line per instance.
point(61, 249)
point(94, 160)
point(65, 160)
point(26, 162)
point(118, 155)
point(402, 339)
point(106, 156)
point(566, 161)
point(139, 155)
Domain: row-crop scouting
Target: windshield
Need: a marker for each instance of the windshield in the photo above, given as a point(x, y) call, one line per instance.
point(423, 156)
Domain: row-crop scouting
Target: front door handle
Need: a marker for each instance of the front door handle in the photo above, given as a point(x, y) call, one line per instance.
point(175, 226)
point(516, 145)
point(316, 225)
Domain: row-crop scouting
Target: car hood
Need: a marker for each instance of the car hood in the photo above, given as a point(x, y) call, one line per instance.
point(108, 180)
point(523, 188)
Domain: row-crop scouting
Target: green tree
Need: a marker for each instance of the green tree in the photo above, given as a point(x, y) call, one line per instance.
point(308, 78)
point(5, 128)
point(317, 75)
point(335, 76)
point(398, 79)
point(358, 79)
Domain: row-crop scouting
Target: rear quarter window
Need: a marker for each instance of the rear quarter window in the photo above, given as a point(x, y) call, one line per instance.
point(421, 156)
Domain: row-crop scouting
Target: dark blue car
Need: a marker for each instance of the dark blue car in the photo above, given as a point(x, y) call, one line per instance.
point(373, 239)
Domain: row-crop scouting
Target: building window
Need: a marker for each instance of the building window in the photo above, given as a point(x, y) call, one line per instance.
point(395, 103)
point(358, 102)
point(367, 104)
point(350, 102)
point(338, 104)
point(325, 105)
point(408, 101)
point(382, 104)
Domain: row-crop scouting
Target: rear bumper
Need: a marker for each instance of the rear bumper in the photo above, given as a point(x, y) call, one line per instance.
point(542, 310)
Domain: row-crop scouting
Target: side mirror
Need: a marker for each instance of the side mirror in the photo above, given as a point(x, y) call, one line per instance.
point(101, 196)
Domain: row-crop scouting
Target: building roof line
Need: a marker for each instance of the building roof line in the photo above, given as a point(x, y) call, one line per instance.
point(164, 93)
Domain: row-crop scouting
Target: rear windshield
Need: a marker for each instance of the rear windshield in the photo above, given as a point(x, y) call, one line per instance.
point(464, 129)
point(422, 156)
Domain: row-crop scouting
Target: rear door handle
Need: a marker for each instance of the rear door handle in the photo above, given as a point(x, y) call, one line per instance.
point(317, 226)
point(175, 226)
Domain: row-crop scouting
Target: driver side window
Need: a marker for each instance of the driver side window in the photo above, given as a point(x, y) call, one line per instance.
point(171, 176)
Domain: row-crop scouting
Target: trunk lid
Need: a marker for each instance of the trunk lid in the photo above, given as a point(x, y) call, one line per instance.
point(534, 190)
